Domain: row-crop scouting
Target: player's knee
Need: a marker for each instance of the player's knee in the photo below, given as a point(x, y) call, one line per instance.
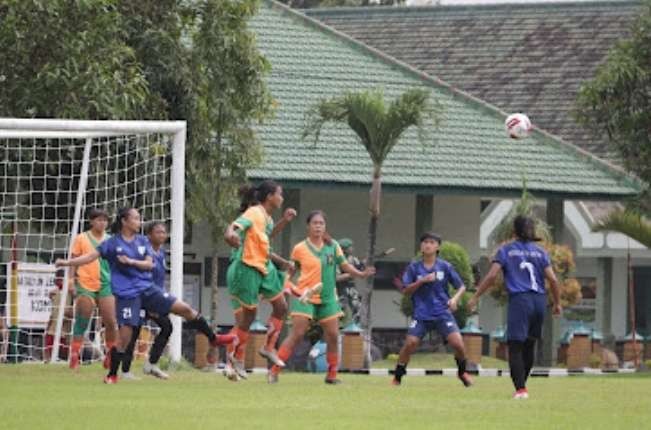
point(184, 310)
point(412, 343)
point(456, 341)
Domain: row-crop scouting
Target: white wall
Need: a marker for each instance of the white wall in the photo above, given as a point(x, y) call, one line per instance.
point(347, 213)
point(456, 218)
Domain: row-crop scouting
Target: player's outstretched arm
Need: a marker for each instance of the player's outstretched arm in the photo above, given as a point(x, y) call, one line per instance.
point(77, 261)
point(285, 265)
point(484, 285)
point(351, 270)
point(145, 265)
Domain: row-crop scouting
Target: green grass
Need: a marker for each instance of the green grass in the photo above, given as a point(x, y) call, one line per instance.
point(424, 360)
point(50, 397)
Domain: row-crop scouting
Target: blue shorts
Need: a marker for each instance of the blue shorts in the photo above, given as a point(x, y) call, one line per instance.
point(445, 325)
point(526, 313)
point(129, 311)
point(156, 301)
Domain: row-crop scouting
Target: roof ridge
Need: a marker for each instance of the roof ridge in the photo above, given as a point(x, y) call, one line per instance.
point(455, 92)
point(333, 11)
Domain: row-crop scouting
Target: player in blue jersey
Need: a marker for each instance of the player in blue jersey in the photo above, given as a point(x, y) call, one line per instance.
point(157, 235)
point(525, 266)
point(426, 280)
point(130, 257)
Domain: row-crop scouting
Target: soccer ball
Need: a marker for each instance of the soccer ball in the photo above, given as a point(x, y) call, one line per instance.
point(518, 125)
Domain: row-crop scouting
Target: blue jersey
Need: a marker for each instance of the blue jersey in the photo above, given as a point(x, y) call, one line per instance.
point(160, 269)
point(523, 264)
point(430, 300)
point(127, 281)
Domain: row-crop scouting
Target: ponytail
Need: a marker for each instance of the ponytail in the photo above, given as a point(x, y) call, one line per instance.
point(247, 195)
point(250, 195)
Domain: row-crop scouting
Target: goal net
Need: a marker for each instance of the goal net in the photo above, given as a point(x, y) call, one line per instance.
point(52, 172)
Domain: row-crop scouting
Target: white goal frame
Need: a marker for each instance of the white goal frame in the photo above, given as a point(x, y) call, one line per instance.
point(88, 130)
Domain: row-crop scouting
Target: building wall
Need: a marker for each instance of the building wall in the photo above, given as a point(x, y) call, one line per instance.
point(456, 218)
point(347, 213)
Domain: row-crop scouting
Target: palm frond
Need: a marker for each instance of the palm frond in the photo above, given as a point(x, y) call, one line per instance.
point(627, 222)
point(378, 125)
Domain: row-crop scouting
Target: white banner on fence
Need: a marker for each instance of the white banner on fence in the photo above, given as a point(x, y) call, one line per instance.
point(34, 281)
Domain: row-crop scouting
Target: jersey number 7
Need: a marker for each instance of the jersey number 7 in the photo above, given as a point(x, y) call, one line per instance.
point(525, 265)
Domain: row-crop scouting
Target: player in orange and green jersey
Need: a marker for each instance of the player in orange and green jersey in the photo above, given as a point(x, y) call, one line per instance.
point(251, 273)
point(316, 259)
point(92, 284)
point(277, 268)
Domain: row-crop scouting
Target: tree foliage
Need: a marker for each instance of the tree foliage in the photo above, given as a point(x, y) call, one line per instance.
point(617, 101)
point(146, 59)
point(628, 222)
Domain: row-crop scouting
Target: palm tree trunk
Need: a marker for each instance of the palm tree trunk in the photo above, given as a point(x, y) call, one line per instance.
point(365, 311)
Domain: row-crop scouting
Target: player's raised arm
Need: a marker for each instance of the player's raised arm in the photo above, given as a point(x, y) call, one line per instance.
point(352, 270)
point(288, 216)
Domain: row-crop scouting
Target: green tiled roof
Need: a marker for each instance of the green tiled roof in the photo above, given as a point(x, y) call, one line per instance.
point(527, 57)
point(470, 152)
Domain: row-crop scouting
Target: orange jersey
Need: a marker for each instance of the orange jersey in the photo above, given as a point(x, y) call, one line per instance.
point(257, 226)
point(317, 266)
point(89, 275)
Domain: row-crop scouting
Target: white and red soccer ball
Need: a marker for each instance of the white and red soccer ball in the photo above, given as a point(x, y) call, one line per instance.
point(518, 126)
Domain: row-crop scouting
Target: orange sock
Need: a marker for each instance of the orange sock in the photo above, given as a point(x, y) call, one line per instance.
point(76, 346)
point(240, 349)
point(275, 327)
point(283, 353)
point(109, 345)
point(333, 360)
point(230, 348)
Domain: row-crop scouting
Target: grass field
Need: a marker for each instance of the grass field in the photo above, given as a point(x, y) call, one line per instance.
point(50, 397)
point(439, 361)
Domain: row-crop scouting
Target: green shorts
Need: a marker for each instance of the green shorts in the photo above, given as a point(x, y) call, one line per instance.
point(104, 291)
point(246, 284)
point(321, 312)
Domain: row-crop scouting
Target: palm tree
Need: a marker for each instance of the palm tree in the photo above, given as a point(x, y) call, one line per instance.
point(629, 222)
point(379, 126)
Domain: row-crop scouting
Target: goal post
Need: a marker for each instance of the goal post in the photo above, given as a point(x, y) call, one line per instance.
point(51, 172)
